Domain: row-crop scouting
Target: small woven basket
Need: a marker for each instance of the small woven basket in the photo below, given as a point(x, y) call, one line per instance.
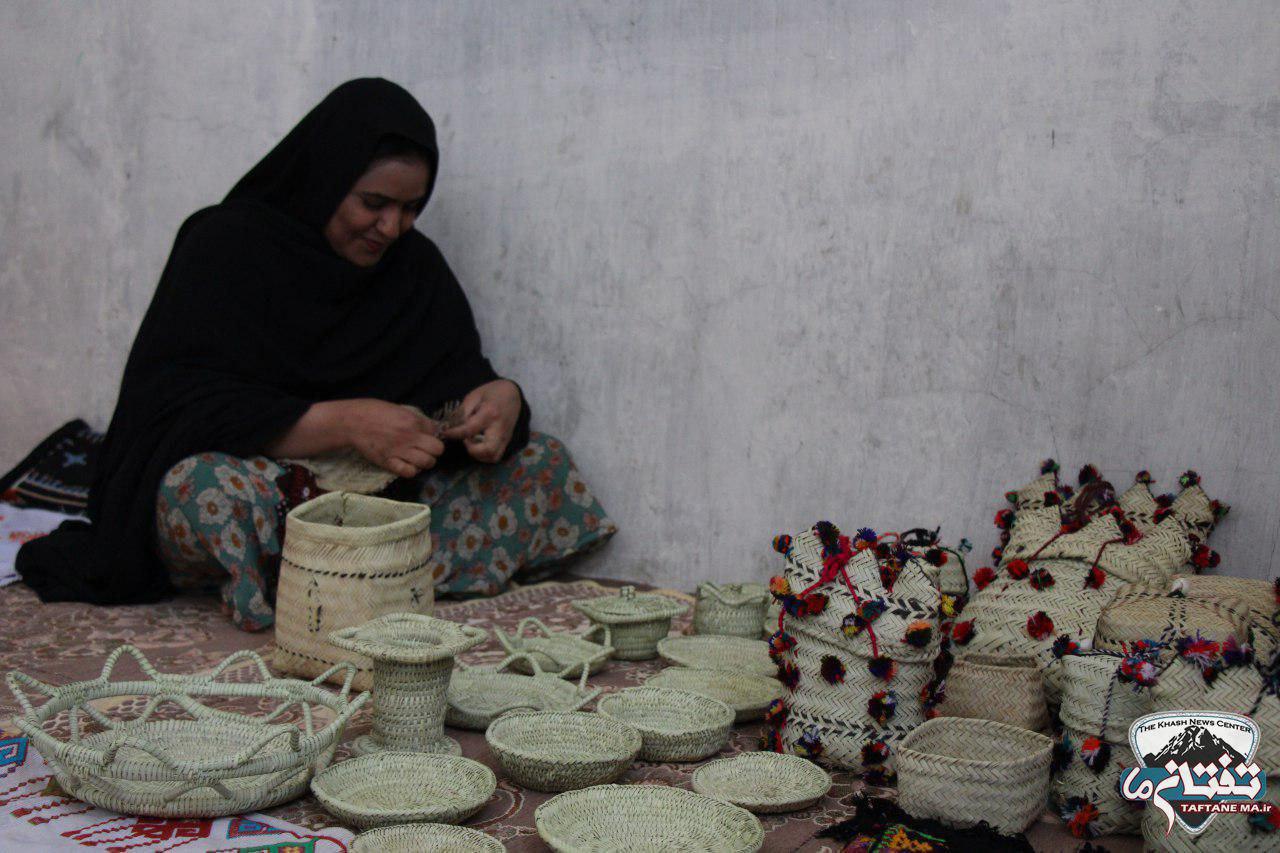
point(962, 772)
point(385, 788)
point(555, 751)
point(638, 622)
point(479, 695)
point(1002, 687)
point(556, 652)
point(715, 651)
point(347, 560)
point(1146, 613)
point(733, 609)
point(748, 695)
point(425, 838)
point(1256, 594)
point(763, 782)
point(610, 818)
point(675, 725)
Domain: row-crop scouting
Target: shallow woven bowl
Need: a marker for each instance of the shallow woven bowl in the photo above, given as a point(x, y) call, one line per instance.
point(390, 787)
point(962, 771)
point(675, 725)
point(748, 695)
point(645, 819)
point(425, 838)
point(717, 651)
point(476, 697)
point(559, 751)
point(763, 782)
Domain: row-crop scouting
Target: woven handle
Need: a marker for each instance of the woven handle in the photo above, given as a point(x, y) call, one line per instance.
point(601, 628)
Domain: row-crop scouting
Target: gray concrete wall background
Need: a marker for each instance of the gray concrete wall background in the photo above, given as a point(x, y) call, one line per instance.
point(757, 263)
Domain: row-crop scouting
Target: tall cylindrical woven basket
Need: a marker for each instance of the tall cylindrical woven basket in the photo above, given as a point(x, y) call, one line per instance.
point(348, 559)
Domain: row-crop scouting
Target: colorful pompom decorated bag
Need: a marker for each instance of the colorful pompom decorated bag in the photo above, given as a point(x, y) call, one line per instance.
point(1102, 694)
point(1064, 553)
point(859, 646)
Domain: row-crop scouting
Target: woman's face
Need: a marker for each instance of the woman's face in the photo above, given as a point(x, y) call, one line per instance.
point(380, 207)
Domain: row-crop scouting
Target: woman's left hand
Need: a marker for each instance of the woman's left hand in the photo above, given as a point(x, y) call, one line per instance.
point(489, 415)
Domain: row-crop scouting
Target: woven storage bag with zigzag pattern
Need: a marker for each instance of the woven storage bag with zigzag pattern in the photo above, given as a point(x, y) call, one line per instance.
point(1064, 554)
point(348, 559)
point(859, 638)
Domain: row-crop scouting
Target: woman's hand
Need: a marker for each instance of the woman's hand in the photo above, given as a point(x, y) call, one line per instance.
point(489, 415)
point(393, 437)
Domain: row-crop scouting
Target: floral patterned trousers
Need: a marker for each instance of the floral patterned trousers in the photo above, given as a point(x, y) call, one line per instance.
point(220, 523)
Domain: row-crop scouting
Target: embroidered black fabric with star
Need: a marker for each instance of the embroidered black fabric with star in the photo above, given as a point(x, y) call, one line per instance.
point(878, 826)
point(254, 319)
point(56, 475)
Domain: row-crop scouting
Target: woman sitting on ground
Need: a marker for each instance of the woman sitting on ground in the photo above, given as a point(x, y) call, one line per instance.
point(303, 317)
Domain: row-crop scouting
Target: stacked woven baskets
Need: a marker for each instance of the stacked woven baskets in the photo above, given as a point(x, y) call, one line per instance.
point(1065, 553)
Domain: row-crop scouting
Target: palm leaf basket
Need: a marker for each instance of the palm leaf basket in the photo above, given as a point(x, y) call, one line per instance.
point(425, 838)
point(181, 757)
point(479, 695)
point(385, 788)
point(609, 818)
point(674, 725)
point(732, 609)
point(557, 652)
point(638, 621)
point(1007, 688)
point(559, 751)
point(763, 782)
point(347, 560)
point(962, 772)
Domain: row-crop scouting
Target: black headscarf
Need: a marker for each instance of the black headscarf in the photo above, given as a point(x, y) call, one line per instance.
point(254, 319)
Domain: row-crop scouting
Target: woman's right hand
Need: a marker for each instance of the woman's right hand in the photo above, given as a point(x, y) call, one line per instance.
point(393, 437)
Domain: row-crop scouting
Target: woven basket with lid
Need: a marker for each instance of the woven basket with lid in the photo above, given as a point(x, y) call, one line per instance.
point(734, 609)
point(1151, 613)
point(347, 560)
point(637, 620)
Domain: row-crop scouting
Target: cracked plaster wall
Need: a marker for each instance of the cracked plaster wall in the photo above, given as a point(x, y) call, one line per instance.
point(757, 263)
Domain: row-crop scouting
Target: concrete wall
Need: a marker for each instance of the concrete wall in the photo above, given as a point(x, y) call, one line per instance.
point(758, 263)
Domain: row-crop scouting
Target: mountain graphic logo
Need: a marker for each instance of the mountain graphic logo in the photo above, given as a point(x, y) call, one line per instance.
point(1195, 765)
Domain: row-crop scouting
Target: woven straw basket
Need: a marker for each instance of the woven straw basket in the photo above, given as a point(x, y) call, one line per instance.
point(347, 560)
point(425, 838)
point(555, 751)
point(1146, 613)
point(674, 725)
point(734, 609)
point(961, 772)
point(1005, 688)
point(1236, 690)
point(1258, 595)
point(609, 818)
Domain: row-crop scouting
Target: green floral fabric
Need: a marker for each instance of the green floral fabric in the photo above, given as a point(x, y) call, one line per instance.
point(220, 523)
